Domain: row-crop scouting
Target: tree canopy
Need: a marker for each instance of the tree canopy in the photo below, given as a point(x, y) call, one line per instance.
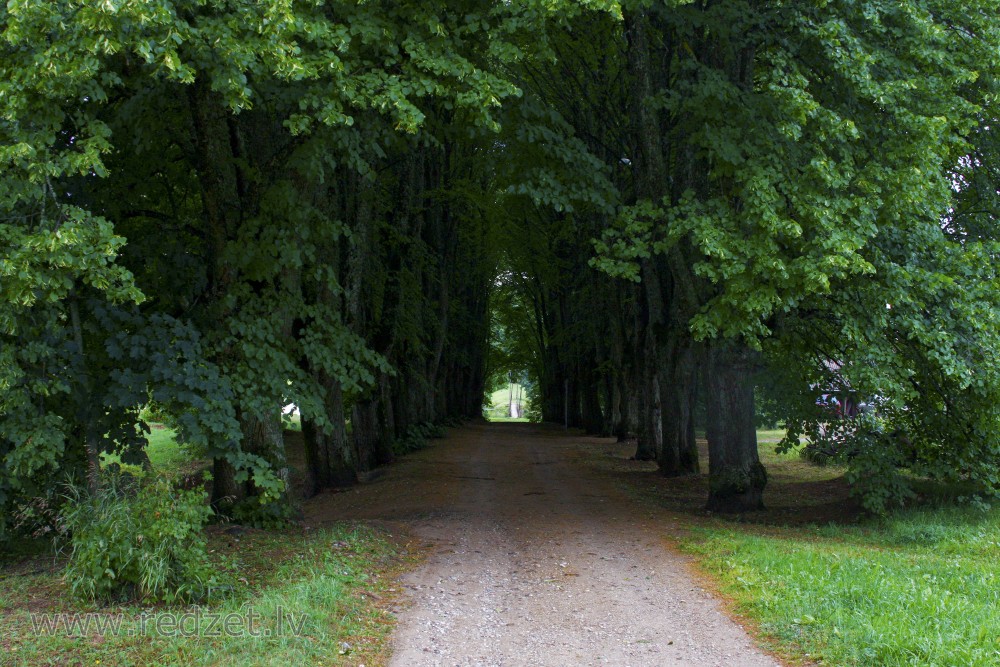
point(223, 208)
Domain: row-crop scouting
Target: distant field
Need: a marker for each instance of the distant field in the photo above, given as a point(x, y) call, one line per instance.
point(500, 401)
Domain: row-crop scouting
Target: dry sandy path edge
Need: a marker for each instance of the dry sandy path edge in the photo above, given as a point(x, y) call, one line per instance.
point(535, 559)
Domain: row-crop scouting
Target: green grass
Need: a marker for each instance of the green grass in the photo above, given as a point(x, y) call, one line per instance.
point(165, 453)
point(500, 404)
point(826, 585)
point(917, 588)
point(171, 458)
point(774, 436)
point(333, 580)
point(167, 456)
point(767, 442)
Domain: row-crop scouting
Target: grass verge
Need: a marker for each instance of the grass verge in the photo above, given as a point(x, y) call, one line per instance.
point(333, 588)
point(919, 588)
point(824, 584)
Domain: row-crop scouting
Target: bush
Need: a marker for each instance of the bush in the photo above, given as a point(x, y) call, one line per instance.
point(39, 516)
point(138, 541)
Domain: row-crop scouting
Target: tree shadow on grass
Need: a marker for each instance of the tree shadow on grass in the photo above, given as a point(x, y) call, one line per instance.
point(798, 492)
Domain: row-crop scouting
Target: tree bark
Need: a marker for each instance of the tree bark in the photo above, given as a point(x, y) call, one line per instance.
point(329, 455)
point(221, 208)
point(317, 458)
point(91, 435)
point(613, 419)
point(736, 476)
point(226, 492)
point(264, 436)
point(365, 432)
point(633, 404)
point(592, 417)
point(649, 436)
point(386, 424)
point(679, 452)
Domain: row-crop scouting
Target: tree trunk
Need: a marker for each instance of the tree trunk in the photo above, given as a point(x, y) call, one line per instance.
point(221, 208)
point(632, 378)
point(91, 434)
point(317, 458)
point(264, 436)
point(736, 476)
point(679, 453)
point(592, 417)
point(613, 422)
point(633, 407)
point(553, 388)
point(387, 428)
point(329, 455)
point(343, 461)
point(649, 438)
point(364, 431)
point(226, 492)
point(573, 415)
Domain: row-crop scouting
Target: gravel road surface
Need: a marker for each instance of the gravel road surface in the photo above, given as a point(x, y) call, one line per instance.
point(535, 559)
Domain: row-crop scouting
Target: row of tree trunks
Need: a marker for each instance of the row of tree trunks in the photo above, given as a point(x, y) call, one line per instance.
point(402, 272)
point(678, 453)
point(655, 398)
point(223, 202)
point(672, 295)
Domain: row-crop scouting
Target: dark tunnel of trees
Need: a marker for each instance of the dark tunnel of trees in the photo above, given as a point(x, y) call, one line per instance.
point(667, 215)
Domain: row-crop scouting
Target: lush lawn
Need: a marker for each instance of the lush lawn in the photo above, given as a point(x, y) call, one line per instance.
point(500, 404)
point(919, 588)
point(166, 455)
point(334, 585)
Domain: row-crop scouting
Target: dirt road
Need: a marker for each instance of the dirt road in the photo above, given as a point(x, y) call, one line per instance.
point(536, 559)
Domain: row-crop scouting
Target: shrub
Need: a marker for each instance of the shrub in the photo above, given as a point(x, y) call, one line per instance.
point(39, 516)
point(138, 541)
